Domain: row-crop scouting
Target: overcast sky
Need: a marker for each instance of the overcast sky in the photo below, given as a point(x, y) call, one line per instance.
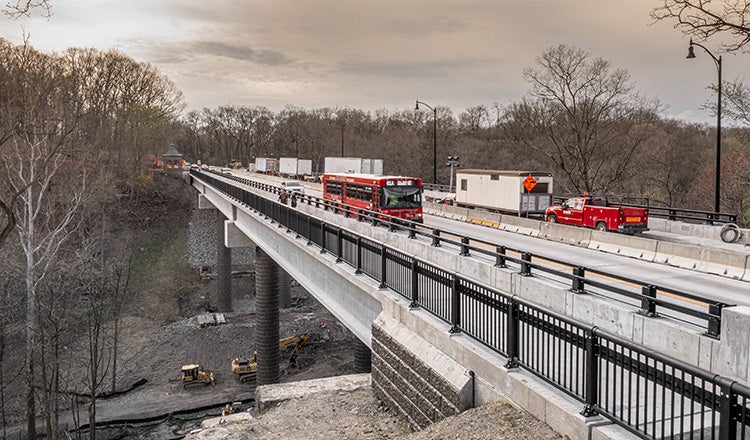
point(378, 53)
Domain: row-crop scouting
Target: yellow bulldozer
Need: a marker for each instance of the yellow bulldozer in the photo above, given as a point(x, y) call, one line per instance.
point(194, 375)
point(246, 368)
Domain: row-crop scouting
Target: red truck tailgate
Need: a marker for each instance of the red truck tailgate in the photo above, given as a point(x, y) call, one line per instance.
point(634, 215)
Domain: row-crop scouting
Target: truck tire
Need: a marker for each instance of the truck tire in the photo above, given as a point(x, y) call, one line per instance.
point(551, 218)
point(601, 226)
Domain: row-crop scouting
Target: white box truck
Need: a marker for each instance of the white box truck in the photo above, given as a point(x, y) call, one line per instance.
point(516, 192)
point(353, 165)
point(266, 165)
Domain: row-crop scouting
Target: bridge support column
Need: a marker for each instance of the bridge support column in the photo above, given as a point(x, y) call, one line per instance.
point(267, 317)
point(223, 266)
point(285, 289)
point(362, 357)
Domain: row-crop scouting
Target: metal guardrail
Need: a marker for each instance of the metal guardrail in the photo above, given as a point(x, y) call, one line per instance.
point(649, 394)
point(581, 278)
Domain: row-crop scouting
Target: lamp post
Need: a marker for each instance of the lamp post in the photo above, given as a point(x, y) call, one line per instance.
point(434, 138)
point(690, 55)
point(343, 124)
point(452, 162)
point(342, 140)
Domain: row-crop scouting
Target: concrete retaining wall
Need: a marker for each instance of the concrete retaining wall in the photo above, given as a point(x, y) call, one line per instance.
point(415, 379)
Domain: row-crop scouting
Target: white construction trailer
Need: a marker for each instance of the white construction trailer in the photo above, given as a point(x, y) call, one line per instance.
point(266, 165)
point(293, 167)
point(516, 192)
point(355, 165)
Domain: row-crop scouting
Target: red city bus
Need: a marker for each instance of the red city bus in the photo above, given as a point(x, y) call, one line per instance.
point(396, 196)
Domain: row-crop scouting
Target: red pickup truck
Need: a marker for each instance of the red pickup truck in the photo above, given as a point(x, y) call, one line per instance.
point(595, 212)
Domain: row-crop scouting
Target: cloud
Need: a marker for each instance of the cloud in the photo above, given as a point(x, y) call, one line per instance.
point(242, 53)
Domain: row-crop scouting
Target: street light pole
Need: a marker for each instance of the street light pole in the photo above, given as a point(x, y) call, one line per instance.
point(434, 138)
point(452, 162)
point(342, 140)
point(690, 55)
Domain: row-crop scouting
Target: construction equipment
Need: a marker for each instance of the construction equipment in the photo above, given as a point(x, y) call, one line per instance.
point(246, 368)
point(194, 375)
point(234, 164)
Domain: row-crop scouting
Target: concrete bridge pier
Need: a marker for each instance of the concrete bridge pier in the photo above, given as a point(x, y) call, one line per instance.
point(223, 266)
point(267, 320)
point(285, 289)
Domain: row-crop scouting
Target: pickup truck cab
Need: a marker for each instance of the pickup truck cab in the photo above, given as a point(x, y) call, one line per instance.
point(598, 213)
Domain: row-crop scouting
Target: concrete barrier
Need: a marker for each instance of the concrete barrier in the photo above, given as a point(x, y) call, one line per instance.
point(484, 218)
point(565, 234)
point(621, 244)
point(520, 225)
point(716, 261)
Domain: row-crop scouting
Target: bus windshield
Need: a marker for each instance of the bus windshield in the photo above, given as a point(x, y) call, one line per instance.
point(401, 197)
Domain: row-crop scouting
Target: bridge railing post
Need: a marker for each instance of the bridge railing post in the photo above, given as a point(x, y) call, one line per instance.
point(579, 280)
point(648, 305)
point(414, 284)
point(729, 411)
point(412, 230)
point(358, 269)
point(525, 266)
point(455, 306)
point(714, 321)
point(436, 237)
point(339, 247)
point(309, 230)
point(500, 257)
point(464, 247)
point(383, 267)
point(591, 363)
point(322, 237)
point(512, 334)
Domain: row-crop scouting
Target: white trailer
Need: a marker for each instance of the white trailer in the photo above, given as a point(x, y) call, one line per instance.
point(353, 165)
point(517, 192)
point(304, 167)
point(372, 166)
point(266, 165)
point(342, 165)
point(293, 167)
point(288, 166)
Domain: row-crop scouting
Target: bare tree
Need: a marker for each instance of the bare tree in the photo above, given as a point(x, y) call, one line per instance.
point(583, 117)
point(44, 116)
point(21, 8)
point(702, 19)
point(736, 101)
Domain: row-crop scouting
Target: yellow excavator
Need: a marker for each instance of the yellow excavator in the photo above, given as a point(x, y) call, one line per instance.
point(193, 374)
point(246, 368)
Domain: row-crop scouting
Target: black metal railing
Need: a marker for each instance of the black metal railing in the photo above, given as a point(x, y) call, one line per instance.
point(649, 394)
point(652, 299)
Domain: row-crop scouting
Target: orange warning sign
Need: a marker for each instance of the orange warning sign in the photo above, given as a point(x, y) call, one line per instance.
point(529, 183)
